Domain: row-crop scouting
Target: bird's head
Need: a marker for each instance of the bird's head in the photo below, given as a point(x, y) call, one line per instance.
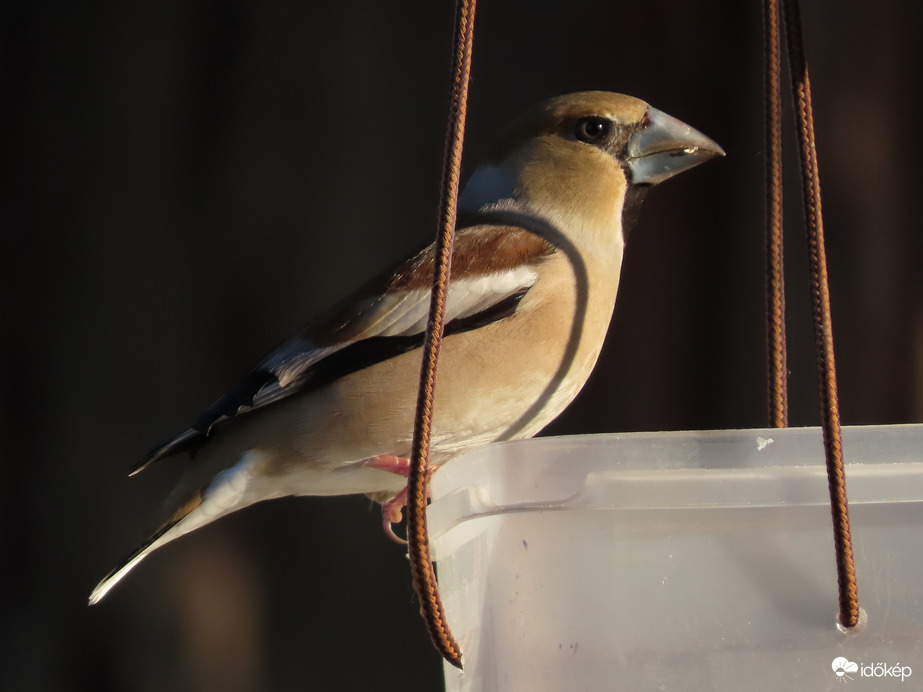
point(574, 160)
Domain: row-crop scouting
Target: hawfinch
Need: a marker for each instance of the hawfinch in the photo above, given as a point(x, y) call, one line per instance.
point(541, 231)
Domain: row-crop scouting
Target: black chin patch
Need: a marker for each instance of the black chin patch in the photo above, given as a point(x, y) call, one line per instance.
point(634, 196)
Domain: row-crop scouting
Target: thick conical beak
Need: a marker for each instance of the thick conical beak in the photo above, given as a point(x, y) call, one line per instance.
point(665, 146)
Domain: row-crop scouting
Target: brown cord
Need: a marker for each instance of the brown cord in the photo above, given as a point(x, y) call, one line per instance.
point(421, 564)
point(823, 333)
point(776, 356)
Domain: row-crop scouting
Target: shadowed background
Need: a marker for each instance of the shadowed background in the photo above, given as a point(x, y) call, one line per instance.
point(186, 183)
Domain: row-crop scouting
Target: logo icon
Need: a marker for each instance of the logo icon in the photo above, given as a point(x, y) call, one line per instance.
point(841, 666)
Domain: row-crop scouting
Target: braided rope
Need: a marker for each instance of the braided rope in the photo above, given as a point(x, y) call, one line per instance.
point(823, 332)
point(776, 356)
point(421, 564)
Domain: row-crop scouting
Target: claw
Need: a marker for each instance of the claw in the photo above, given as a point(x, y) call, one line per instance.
point(392, 512)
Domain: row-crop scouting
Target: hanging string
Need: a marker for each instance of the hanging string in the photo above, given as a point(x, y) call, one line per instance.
point(823, 333)
point(421, 564)
point(776, 356)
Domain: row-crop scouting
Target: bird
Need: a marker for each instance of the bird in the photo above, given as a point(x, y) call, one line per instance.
point(541, 230)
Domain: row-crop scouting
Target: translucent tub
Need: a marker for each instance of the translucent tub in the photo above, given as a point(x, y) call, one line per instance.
point(680, 561)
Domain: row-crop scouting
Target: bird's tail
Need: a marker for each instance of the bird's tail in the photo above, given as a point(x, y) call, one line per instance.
point(185, 519)
point(230, 490)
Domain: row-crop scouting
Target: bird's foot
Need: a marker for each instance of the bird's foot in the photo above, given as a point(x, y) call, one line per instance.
point(392, 511)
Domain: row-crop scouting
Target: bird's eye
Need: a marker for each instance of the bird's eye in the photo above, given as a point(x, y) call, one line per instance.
point(592, 129)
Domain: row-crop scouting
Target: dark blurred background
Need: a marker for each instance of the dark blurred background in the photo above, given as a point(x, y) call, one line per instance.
point(186, 183)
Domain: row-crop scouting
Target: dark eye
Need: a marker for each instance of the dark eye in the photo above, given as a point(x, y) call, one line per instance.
point(592, 129)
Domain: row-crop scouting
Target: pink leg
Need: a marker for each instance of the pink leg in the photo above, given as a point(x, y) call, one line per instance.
point(392, 510)
point(399, 466)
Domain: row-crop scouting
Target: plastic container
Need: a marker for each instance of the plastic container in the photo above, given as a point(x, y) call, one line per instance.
point(680, 561)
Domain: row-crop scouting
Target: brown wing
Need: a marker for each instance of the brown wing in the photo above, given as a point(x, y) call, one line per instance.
point(493, 268)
